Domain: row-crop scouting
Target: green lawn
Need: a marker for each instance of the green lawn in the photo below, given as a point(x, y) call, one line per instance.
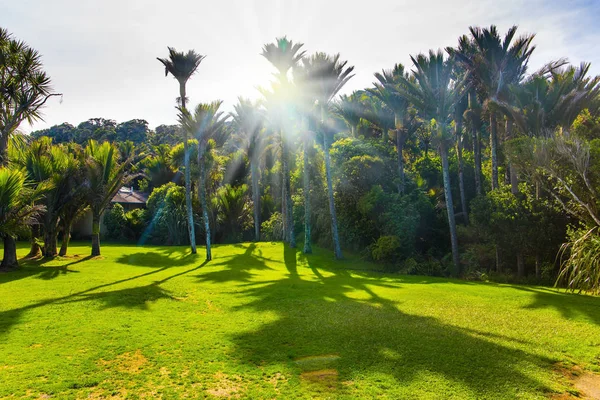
point(264, 321)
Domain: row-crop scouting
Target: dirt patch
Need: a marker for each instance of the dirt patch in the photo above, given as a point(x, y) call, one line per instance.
point(325, 377)
point(227, 386)
point(586, 385)
point(132, 363)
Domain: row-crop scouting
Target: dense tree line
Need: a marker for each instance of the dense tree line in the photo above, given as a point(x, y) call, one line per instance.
point(464, 163)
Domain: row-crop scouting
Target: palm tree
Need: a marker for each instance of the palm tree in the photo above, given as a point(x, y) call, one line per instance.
point(182, 66)
point(16, 211)
point(435, 95)
point(24, 90)
point(326, 76)
point(54, 165)
point(284, 55)
point(105, 176)
point(206, 123)
point(248, 122)
point(351, 110)
point(493, 64)
point(386, 91)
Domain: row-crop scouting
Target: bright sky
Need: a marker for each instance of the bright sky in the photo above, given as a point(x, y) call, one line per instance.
point(102, 54)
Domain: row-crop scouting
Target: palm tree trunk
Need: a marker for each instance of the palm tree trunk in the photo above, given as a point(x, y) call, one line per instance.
point(35, 250)
point(188, 179)
point(66, 238)
point(9, 262)
point(202, 195)
point(399, 148)
point(255, 197)
point(477, 156)
point(307, 223)
point(284, 208)
point(520, 265)
point(450, 207)
point(334, 228)
point(514, 180)
point(461, 179)
point(50, 239)
point(288, 216)
point(494, 149)
point(95, 233)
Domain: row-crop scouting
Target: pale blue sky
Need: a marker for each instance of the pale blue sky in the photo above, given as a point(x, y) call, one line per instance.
point(102, 54)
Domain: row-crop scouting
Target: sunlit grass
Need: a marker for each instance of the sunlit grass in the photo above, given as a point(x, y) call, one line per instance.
point(263, 321)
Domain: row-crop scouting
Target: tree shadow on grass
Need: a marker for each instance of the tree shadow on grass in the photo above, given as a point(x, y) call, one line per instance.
point(135, 297)
point(156, 259)
point(571, 306)
point(349, 332)
point(236, 268)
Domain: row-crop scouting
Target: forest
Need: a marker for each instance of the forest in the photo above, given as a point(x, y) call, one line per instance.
point(466, 163)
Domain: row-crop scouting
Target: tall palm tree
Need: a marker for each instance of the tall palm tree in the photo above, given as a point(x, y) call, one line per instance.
point(24, 90)
point(204, 124)
point(493, 64)
point(182, 66)
point(435, 95)
point(326, 77)
point(284, 55)
point(16, 211)
point(105, 176)
point(386, 91)
point(248, 121)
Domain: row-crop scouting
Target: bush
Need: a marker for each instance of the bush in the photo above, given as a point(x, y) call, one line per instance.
point(167, 213)
point(114, 222)
point(386, 249)
point(272, 229)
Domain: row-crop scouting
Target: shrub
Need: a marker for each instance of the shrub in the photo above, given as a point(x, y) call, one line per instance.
point(272, 229)
point(114, 222)
point(386, 248)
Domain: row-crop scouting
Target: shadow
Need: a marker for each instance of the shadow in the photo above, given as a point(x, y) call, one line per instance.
point(335, 329)
point(136, 297)
point(571, 306)
point(156, 260)
point(236, 268)
point(54, 272)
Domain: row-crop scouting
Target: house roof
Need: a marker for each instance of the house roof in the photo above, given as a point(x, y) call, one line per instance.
point(127, 195)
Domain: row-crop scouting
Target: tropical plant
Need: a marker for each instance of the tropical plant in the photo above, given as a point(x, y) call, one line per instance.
point(182, 66)
point(248, 121)
point(284, 55)
point(204, 124)
point(492, 65)
point(435, 94)
point(105, 176)
point(17, 210)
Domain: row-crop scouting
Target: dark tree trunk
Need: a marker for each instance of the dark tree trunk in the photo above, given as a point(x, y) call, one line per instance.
point(35, 250)
point(337, 249)
point(307, 219)
point(50, 239)
point(477, 157)
point(95, 234)
point(204, 203)
point(287, 204)
point(9, 262)
point(255, 197)
point(450, 207)
point(494, 149)
point(3, 149)
point(400, 139)
point(538, 266)
point(188, 179)
point(520, 265)
point(65, 239)
point(498, 262)
point(461, 180)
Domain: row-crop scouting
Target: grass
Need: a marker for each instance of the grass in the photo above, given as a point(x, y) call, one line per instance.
point(264, 321)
